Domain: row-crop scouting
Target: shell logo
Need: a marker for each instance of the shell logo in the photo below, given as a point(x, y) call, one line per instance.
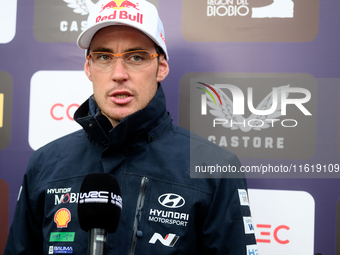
point(62, 217)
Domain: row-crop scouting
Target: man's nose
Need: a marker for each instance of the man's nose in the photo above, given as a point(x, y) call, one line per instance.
point(119, 69)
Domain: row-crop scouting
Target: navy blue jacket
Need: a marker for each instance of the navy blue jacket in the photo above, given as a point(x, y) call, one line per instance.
point(164, 210)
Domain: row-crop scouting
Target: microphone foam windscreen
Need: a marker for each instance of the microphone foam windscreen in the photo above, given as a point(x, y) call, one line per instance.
point(100, 202)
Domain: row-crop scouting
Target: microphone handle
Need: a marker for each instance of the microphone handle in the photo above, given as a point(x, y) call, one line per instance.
point(97, 241)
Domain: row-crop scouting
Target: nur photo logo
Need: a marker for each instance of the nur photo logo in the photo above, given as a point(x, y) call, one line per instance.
point(230, 113)
point(254, 115)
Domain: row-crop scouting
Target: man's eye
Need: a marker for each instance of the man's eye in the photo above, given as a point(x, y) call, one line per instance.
point(136, 58)
point(103, 57)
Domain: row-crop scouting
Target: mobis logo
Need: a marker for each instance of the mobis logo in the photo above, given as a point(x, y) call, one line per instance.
point(230, 113)
point(66, 198)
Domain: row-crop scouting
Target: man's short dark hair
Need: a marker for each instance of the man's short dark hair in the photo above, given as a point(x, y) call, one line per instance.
point(159, 50)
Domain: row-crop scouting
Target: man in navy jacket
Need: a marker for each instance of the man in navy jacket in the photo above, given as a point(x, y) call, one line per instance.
point(128, 133)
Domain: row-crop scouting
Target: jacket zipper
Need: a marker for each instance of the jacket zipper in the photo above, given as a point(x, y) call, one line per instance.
point(140, 203)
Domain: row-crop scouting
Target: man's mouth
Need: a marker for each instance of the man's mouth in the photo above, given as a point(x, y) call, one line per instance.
point(119, 96)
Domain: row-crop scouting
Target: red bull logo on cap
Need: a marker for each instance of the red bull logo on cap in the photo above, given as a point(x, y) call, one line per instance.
point(118, 13)
point(120, 4)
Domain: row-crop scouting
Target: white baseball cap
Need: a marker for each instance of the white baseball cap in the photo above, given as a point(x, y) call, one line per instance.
point(139, 14)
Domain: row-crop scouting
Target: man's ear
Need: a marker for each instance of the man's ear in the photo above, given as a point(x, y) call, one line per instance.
point(87, 70)
point(163, 68)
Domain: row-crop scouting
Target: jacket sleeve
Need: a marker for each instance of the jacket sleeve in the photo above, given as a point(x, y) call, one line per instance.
point(227, 227)
point(25, 236)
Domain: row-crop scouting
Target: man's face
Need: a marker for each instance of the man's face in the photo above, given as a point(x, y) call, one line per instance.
point(122, 91)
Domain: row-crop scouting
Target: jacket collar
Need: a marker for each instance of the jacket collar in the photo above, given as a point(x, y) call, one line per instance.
point(135, 130)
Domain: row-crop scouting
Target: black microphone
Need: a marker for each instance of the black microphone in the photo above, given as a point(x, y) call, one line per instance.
point(99, 209)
